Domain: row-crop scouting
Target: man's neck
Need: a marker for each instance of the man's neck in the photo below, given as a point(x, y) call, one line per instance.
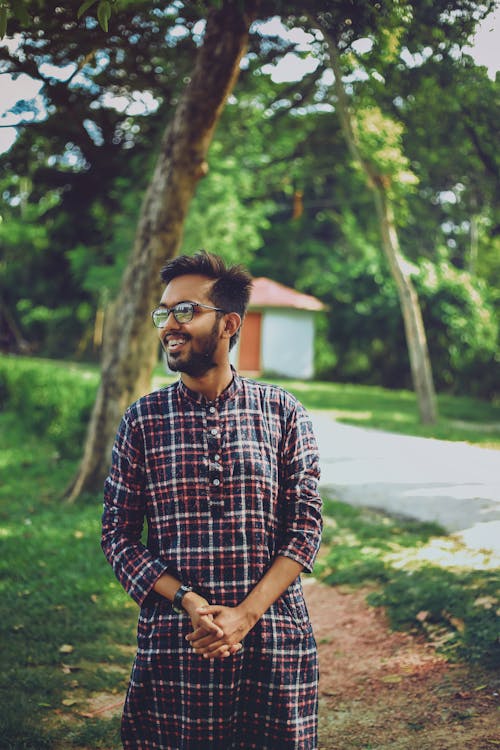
point(212, 384)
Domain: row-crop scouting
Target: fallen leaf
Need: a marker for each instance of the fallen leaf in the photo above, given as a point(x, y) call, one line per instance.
point(69, 702)
point(103, 709)
point(68, 668)
point(392, 678)
point(458, 624)
point(485, 601)
point(422, 615)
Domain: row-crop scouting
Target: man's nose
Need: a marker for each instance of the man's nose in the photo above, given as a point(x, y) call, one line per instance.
point(171, 323)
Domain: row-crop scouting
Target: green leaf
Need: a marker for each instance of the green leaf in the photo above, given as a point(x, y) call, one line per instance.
point(104, 14)
point(84, 7)
point(3, 20)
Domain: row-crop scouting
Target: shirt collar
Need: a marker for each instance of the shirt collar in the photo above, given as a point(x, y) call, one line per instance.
point(229, 392)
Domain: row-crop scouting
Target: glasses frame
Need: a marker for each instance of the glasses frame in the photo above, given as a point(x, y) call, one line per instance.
point(193, 305)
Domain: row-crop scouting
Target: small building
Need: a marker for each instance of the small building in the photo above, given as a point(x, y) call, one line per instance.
point(277, 335)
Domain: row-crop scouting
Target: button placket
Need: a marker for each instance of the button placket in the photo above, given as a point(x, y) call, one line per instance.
point(214, 454)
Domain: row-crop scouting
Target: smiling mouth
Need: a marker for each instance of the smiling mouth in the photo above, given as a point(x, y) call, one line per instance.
point(174, 344)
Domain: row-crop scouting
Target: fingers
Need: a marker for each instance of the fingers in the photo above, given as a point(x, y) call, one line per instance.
point(222, 651)
point(209, 609)
point(215, 650)
point(209, 624)
point(202, 640)
point(208, 639)
point(210, 647)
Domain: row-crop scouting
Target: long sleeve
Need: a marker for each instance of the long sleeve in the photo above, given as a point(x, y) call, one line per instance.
point(124, 513)
point(299, 491)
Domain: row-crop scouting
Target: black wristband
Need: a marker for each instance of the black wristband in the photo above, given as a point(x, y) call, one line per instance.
point(179, 594)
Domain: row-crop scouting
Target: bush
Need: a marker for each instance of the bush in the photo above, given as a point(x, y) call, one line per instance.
point(365, 339)
point(50, 399)
point(462, 330)
point(457, 609)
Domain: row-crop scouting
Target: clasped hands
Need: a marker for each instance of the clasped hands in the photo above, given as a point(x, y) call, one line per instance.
point(217, 630)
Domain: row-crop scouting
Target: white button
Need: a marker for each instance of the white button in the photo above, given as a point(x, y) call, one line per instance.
point(216, 457)
point(216, 482)
point(212, 409)
point(214, 431)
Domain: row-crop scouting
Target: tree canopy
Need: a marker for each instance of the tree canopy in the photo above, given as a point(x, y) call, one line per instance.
point(281, 193)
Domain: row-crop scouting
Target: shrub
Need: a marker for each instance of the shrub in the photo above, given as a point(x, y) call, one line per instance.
point(461, 605)
point(53, 400)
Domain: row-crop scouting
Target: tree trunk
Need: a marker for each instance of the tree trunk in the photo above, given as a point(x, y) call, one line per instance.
point(130, 346)
point(410, 307)
point(416, 340)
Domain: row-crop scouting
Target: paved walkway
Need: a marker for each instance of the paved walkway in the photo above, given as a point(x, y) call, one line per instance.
point(455, 484)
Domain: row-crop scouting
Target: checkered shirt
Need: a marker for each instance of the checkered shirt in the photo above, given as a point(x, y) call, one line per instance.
point(224, 487)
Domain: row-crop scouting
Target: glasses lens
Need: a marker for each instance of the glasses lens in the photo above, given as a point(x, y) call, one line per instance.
point(183, 313)
point(160, 317)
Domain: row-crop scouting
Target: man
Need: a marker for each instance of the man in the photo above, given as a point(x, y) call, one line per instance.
point(224, 470)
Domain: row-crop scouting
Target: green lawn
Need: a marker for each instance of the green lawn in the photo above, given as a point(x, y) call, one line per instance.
point(65, 623)
point(460, 417)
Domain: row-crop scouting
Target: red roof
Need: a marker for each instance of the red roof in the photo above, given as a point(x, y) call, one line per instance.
point(269, 293)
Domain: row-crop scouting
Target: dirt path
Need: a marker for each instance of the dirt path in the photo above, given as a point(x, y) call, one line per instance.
point(391, 691)
point(379, 690)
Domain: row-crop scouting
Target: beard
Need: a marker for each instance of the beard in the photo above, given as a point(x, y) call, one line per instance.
point(196, 363)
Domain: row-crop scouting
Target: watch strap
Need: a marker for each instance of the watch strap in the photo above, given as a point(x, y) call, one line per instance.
point(179, 595)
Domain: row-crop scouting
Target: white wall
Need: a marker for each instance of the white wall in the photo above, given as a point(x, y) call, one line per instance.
point(288, 343)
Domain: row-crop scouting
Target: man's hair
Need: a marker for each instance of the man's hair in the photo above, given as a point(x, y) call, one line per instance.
point(232, 284)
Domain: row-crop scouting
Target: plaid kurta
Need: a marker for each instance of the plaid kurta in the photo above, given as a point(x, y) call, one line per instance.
point(224, 486)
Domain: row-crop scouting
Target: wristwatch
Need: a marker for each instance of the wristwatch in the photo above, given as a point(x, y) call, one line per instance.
point(179, 594)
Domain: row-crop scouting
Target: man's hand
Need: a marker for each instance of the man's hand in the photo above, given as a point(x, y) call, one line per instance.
point(202, 622)
point(233, 622)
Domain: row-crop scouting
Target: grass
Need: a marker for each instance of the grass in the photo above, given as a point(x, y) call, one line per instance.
point(67, 628)
point(64, 619)
point(461, 418)
point(426, 580)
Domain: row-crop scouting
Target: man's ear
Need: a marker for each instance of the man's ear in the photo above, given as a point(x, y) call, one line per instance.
point(232, 322)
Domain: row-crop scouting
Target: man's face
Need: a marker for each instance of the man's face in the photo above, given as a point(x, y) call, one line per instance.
point(194, 347)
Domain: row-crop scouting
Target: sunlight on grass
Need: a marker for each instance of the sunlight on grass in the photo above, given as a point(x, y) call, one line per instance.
point(460, 418)
point(445, 552)
point(341, 414)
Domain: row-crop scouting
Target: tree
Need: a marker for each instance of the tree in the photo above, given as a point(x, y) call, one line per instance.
point(129, 354)
point(379, 181)
point(84, 156)
point(156, 240)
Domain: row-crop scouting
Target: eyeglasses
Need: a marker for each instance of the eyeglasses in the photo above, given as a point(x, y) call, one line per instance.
point(183, 313)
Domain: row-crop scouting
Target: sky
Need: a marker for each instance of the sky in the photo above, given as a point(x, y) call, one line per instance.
point(485, 50)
